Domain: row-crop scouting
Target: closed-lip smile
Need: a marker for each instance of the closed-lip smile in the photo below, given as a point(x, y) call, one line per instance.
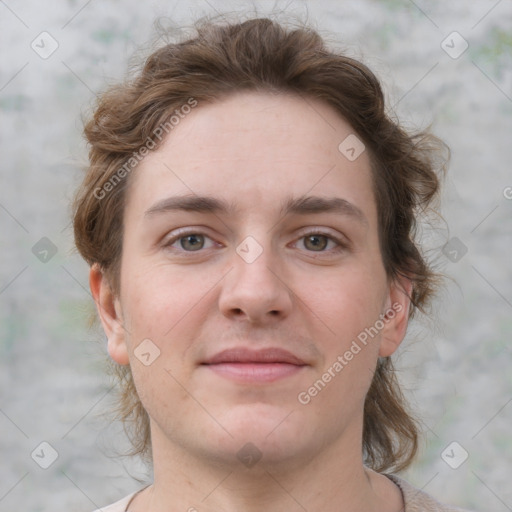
point(252, 366)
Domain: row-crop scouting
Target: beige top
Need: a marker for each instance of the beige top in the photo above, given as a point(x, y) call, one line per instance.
point(415, 500)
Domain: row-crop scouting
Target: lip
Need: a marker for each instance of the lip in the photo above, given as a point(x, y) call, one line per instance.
point(245, 355)
point(253, 366)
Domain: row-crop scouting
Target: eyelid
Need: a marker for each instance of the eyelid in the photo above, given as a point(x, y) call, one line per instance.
point(337, 237)
point(172, 237)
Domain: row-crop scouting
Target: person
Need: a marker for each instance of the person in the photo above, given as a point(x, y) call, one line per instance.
point(249, 217)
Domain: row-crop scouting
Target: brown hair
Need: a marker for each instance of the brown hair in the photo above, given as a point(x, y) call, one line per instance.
point(262, 55)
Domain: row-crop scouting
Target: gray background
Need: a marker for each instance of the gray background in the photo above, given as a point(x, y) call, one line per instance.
point(455, 367)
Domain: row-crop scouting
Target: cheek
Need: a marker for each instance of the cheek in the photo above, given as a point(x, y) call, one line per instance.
point(159, 299)
point(160, 309)
point(348, 300)
point(168, 308)
point(349, 307)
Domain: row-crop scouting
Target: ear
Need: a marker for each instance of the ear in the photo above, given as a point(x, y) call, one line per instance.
point(396, 315)
point(110, 313)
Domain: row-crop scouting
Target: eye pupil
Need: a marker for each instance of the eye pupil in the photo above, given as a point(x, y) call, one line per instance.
point(192, 242)
point(316, 242)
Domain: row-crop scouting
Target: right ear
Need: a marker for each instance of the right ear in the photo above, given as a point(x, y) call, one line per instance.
point(110, 313)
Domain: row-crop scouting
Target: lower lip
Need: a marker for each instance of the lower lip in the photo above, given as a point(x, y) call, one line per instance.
point(255, 372)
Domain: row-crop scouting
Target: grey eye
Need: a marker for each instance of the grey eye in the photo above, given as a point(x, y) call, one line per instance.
point(192, 242)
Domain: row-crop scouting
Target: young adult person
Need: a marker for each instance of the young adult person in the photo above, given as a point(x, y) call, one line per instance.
point(249, 215)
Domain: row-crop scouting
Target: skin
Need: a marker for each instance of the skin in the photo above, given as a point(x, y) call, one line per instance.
point(309, 296)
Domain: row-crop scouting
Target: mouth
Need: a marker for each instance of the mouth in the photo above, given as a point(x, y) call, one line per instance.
point(251, 366)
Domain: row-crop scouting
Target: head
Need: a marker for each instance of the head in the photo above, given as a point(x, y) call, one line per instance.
point(248, 188)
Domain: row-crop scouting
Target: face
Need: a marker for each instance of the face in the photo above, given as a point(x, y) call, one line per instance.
point(253, 295)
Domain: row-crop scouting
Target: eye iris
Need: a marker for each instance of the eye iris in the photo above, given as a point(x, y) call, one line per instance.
point(315, 242)
point(192, 242)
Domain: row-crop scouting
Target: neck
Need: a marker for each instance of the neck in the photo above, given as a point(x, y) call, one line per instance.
point(331, 480)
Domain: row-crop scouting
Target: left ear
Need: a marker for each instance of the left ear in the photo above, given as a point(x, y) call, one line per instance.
point(396, 315)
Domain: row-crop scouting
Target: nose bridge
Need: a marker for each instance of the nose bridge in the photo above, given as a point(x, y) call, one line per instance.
point(254, 266)
point(253, 289)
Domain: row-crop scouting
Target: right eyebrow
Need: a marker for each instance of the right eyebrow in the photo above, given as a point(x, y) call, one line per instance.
point(201, 204)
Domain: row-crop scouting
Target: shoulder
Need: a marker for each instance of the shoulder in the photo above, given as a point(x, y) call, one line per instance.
point(118, 506)
point(418, 501)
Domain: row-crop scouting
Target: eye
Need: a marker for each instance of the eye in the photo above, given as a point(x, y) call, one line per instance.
point(190, 242)
point(316, 242)
point(321, 242)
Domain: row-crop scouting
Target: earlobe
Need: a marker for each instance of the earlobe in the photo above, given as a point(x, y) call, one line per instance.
point(109, 311)
point(396, 316)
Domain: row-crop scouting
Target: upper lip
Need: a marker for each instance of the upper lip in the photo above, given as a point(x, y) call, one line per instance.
point(246, 355)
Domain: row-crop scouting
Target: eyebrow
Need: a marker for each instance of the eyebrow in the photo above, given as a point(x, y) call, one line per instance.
point(315, 204)
point(300, 206)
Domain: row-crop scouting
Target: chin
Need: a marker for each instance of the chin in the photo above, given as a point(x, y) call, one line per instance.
point(263, 430)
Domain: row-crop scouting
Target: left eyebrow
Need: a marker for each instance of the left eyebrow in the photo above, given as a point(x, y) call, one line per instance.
point(315, 204)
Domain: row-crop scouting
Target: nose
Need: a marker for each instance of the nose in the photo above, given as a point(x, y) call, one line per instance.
point(255, 292)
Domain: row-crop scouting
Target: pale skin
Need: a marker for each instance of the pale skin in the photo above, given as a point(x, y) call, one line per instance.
point(318, 282)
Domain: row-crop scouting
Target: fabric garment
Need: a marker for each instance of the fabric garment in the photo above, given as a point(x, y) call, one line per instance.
point(418, 501)
point(415, 500)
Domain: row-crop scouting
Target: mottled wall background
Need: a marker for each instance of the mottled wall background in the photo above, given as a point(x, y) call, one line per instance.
point(457, 368)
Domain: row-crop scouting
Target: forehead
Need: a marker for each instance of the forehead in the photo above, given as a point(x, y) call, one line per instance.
point(255, 147)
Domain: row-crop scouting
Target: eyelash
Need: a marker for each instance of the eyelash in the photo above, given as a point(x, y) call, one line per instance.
point(340, 244)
